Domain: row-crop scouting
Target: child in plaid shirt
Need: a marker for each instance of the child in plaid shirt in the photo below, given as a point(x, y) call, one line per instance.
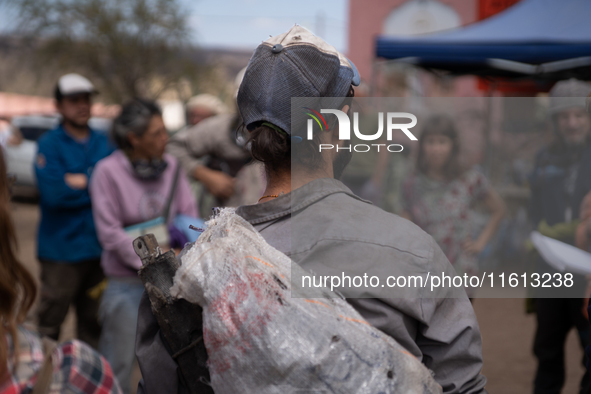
point(29, 364)
point(75, 368)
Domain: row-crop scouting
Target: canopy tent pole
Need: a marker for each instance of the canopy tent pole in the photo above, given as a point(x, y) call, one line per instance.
point(488, 127)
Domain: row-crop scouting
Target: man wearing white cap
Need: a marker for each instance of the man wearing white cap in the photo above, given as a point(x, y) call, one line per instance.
point(68, 248)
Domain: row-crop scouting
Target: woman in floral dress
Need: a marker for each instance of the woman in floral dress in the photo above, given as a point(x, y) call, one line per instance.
point(439, 194)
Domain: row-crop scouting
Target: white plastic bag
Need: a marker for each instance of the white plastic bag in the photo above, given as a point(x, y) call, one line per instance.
point(260, 339)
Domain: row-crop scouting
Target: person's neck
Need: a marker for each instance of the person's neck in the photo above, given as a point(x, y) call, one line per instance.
point(278, 183)
point(135, 156)
point(285, 181)
point(436, 174)
point(77, 132)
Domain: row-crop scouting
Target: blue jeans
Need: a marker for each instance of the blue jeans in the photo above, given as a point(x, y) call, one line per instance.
point(118, 312)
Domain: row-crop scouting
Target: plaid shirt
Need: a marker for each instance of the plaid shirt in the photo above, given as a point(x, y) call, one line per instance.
point(77, 369)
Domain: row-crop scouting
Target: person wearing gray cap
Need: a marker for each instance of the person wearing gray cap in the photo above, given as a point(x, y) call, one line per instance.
point(339, 227)
point(212, 153)
point(68, 248)
point(558, 183)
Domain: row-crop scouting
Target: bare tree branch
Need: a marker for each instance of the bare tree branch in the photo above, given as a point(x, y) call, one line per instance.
point(129, 47)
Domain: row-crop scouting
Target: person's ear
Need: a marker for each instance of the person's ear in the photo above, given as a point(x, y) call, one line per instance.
point(335, 130)
point(133, 140)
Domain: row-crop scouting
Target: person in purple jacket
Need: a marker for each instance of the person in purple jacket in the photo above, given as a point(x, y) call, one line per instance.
point(129, 187)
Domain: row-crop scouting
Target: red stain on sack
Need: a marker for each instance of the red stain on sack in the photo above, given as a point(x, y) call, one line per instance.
point(236, 321)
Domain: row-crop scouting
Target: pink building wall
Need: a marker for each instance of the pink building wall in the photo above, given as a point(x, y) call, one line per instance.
point(12, 104)
point(366, 19)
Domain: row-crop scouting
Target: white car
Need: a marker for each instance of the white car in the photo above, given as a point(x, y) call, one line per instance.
point(20, 158)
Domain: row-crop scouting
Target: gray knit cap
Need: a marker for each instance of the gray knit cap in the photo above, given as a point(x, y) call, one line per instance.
point(568, 94)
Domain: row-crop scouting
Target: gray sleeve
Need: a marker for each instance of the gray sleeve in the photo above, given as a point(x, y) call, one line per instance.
point(449, 339)
point(189, 150)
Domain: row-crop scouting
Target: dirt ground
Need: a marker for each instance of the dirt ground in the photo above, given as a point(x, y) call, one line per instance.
point(507, 332)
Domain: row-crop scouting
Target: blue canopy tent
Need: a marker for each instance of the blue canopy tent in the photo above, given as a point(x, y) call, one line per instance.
point(545, 39)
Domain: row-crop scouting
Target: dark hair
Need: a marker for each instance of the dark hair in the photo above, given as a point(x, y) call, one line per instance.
point(134, 118)
point(57, 93)
point(17, 287)
point(274, 148)
point(441, 125)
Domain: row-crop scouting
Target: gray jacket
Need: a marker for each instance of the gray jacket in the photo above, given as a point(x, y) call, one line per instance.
point(210, 137)
point(325, 228)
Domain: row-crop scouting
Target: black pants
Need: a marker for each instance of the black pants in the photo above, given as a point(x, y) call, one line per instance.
point(556, 317)
point(64, 284)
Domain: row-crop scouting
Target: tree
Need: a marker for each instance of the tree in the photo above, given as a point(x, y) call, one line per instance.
point(129, 48)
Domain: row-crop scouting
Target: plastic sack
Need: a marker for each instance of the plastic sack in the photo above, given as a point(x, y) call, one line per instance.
point(260, 338)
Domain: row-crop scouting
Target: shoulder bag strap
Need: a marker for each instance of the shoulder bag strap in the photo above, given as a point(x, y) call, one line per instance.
point(166, 211)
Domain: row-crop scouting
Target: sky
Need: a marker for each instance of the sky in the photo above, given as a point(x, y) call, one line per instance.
point(244, 24)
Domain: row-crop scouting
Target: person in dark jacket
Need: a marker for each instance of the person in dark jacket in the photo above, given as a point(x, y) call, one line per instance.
point(68, 248)
point(560, 171)
point(583, 232)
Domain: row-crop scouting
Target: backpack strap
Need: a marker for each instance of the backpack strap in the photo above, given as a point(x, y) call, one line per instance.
point(166, 211)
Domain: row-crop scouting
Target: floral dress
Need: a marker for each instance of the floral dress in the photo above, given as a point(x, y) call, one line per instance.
point(442, 209)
